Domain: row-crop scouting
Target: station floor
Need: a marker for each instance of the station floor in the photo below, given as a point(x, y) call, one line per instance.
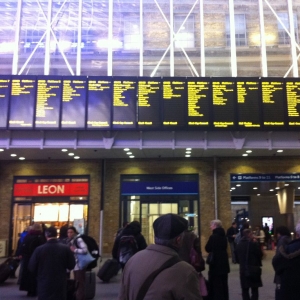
point(9, 290)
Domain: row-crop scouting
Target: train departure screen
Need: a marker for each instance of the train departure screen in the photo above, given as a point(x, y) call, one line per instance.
point(4, 99)
point(149, 95)
point(99, 102)
point(273, 101)
point(49, 91)
point(248, 103)
point(174, 102)
point(74, 102)
point(124, 102)
point(293, 102)
point(224, 97)
point(22, 101)
point(199, 99)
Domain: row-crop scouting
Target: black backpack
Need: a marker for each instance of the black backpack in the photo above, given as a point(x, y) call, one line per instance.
point(127, 248)
point(92, 247)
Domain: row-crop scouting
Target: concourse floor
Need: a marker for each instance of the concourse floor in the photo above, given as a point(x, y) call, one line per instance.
point(109, 291)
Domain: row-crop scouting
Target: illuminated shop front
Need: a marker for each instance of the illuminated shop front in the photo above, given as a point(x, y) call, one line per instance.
point(51, 201)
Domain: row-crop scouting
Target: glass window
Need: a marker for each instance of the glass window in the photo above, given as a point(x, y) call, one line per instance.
point(240, 30)
point(184, 31)
point(283, 37)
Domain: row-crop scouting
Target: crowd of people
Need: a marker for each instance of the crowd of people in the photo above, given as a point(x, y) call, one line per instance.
point(171, 268)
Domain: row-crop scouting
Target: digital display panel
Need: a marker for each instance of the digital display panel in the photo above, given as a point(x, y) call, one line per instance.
point(124, 102)
point(22, 101)
point(99, 102)
point(149, 95)
point(4, 99)
point(293, 102)
point(248, 103)
point(174, 102)
point(224, 99)
point(273, 102)
point(199, 99)
point(48, 99)
point(74, 102)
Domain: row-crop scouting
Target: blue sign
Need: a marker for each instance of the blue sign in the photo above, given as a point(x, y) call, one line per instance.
point(159, 188)
point(264, 177)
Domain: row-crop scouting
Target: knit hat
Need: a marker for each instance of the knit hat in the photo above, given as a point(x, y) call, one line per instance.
point(169, 226)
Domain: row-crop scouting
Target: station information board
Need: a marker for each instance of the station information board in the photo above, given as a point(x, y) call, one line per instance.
point(149, 95)
point(199, 99)
point(174, 100)
point(273, 103)
point(249, 103)
point(5, 82)
point(48, 99)
point(22, 101)
point(293, 102)
point(74, 102)
point(223, 100)
point(99, 102)
point(124, 103)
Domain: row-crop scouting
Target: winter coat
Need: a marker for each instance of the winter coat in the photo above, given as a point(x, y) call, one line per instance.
point(179, 282)
point(253, 259)
point(287, 265)
point(50, 263)
point(231, 231)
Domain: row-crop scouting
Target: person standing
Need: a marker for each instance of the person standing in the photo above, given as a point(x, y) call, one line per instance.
point(50, 263)
point(249, 253)
point(165, 280)
point(219, 267)
point(231, 234)
point(78, 247)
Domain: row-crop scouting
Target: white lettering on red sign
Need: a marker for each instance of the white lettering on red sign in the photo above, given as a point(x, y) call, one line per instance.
point(51, 189)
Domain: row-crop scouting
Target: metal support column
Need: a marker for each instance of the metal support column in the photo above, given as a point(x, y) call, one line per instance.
point(79, 38)
point(47, 44)
point(17, 38)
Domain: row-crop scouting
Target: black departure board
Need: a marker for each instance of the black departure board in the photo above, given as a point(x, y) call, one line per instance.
point(22, 101)
point(224, 99)
point(273, 103)
point(248, 103)
point(199, 100)
point(74, 102)
point(99, 102)
point(48, 99)
point(4, 99)
point(124, 102)
point(149, 95)
point(174, 102)
point(293, 102)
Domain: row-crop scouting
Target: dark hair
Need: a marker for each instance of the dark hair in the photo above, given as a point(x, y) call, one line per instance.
point(283, 230)
point(246, 233)
point(233, 223)
point(73, 228)
point(50, 232)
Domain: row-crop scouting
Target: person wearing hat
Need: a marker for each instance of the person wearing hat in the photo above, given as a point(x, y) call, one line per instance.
point(157, 271)
point(49, 263)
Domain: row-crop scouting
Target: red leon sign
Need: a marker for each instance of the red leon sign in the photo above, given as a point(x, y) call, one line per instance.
point(51, 189)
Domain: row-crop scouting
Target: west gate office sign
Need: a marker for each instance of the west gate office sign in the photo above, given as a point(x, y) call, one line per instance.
point(252, 177)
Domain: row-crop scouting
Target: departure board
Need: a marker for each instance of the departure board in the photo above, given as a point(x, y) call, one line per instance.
point(273, 103)
point(124, 102)
point(199, 99)
point(174, 102)
point(293, 102)
point(248, 103)
point(224, 99)
point(74, 102)
point(99, 102)
point(4, 99)
point(22, 101)
point(149, 95)
point(48, 99)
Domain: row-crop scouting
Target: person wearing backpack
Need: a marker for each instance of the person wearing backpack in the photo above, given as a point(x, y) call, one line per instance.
point(128, 242)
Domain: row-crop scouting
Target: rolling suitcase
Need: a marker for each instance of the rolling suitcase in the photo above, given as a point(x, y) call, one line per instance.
point(5, 271)
point(108, 270)
point(90, 285)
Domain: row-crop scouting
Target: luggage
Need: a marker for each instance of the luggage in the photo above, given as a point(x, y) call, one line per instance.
point(5, 270)
point(109, 269)
point(90, 285)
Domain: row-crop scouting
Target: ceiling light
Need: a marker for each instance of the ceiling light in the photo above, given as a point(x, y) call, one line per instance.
point(279, 151)
point(245, 154)
point(255, 188)
point(131, 156)
point(126, 149)
point(188, 149)
point(277, 188)
point(71, 154)
point(13, 155)
point(233, 188)
point(286, 184)
point(129, 153)
point(187, 155)
point(21, 158)
point(64, 150)
point(238, 184)
point(188, 152)
point(249, 151)
point(258, 194)
point(299, 188)
point(1, 150)
point(76, 157)
point(271, 190)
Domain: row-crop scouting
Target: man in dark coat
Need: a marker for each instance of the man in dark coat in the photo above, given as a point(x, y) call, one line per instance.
point(249, 253)
point(231, 234)
point(287, 265)
point(50, 263)
point(219, 269)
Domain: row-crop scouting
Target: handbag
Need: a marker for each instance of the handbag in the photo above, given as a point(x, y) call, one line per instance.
point(210, 258)
point(84, 259)
point(202, 286)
